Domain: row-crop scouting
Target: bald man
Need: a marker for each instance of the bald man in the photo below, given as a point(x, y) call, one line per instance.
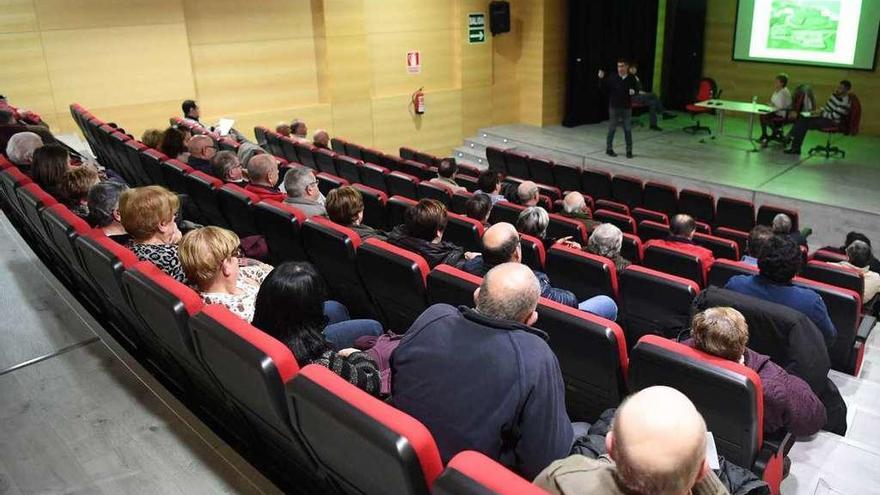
point(527, 193)
point(201, 150)
point(574, 206)
point(656, 446)
point(484, 379)
point(263, 175)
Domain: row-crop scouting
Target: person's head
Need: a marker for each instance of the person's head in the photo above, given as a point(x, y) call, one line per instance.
point(721, 332)
point(148, 212)
point(447, 168)
point(152, 138)
point(501, 245)
point(426, 220)
point(658, 442)
point(321, 139)
point(758, 238)
point(49, 165)
point(21, 146)
point(605, 240)
point(533, 221)
point(283, 128)
point(856, 236)
point(781, 224)
point(489, 182)
point(290, 308)
point(190, 109)
point(574, 202)
point(201, 146)
point(509, 291)
point(780, 81)
point(209, 256)
point(76, 183)
point(622, 67)
point(682, 226)
point(843, 88)
point(173, 142)
point(633, 68)
point(226, 167)
point(263, 170)
point(859, 253)
point(780, 260)
point(527, 193)
point(299, 128)
point(345, 206)
point(104, 204)
point(7, 117)
point(478, 207)
point(301, 183)
point(247, 151)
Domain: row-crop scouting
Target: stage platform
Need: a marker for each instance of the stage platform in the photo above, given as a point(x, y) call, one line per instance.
point(833, 196)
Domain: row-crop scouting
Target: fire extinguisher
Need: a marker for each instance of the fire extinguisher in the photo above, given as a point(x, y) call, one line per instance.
point(418, 101)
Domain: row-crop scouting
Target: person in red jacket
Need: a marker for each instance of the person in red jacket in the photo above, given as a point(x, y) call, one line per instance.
point(263, 175)
point(681, 235)
point(789, 403)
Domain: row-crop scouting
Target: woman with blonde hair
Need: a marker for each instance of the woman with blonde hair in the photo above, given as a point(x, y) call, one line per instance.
point(149, 216)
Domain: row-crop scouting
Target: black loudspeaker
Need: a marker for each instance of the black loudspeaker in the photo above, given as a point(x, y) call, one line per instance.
point(683, 51)
point(499, 17)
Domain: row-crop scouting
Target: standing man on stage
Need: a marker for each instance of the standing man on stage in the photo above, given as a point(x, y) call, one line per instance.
point(621, 87)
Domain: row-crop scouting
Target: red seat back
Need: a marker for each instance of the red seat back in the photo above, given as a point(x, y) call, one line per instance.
point(653, 302)
point(472, 473)
point(395, 278)
point(585, 274)
point(280, 224)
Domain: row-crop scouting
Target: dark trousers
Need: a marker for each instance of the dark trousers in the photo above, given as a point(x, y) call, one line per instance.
point(615, 116)
point(653, 103)
point(804, 124)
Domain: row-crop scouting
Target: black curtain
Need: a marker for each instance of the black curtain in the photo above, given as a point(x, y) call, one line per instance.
point(600, 32)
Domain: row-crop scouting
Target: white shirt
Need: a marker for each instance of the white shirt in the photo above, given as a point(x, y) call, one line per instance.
point(781, 101)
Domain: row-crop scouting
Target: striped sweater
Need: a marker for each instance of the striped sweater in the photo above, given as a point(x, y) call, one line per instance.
point(836, 107)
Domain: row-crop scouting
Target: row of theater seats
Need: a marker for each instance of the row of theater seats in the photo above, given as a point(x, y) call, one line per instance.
point(308, 424)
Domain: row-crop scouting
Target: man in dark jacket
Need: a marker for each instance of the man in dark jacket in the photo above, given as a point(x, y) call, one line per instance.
point(621, 87)
point(201, 150)
point(422, 233)
point(484, 379)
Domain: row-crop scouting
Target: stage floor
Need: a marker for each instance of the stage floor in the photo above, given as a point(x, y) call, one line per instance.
point(834, 195)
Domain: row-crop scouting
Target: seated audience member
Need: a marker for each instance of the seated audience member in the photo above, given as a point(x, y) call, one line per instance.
point(534, 221)
point(479, 207)
point(422, 233)
point(262, 176)
point(574, 206)
point(857, 236)
point(484, 379)
point(758, 238)
point(656, 446)
point(345, 206)
point(248, 150)
point(9, 127)
point(836, 109)
point(446, 175)
point(148, 215)
point(321, 139)
point(20, 149)
point(606, 240)
point(152, 138)
point(501, 245)
point(191, 112)
point(782, 226)
point(49, 165)
point(779, 262)
point(489, 183)
point(859, 253)
point(789, 403)
point(527, 193)
point(103, 201)
point(212, 260)
point(303, 193)
point(75, 185)
point(174, 143)
point(283, 128)
point(226, 167)
point(299, 130)
point(291, 307)
point(201, 150)
point(681, 234)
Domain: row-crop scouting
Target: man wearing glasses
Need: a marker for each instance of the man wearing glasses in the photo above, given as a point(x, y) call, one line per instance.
point(303, 193)
point(201, 150)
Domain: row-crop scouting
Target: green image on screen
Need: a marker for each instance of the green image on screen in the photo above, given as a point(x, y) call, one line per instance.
point(804, 25)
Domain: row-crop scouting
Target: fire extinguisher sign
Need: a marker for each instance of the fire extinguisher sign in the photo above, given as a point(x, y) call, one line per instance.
point(414, 62)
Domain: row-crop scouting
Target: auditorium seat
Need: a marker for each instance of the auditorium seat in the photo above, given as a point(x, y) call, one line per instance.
point(466, 181)
point(497, 160)
point(650, 230)
point(32, 200)
point(273, 143)
point(675, 262)
point(611, 205)
point(349, 168)
point(561, 226)
point(653, 302)
point(356, 151)
point(394, 453)
point(661, 197)
point(729, 395)
point(402, 184)
point(631, 248)
point(260, 134)
point(151, 163)
point(625, 223)
point(472, 473)
point(596, 184)
point(458, 204)
point(721, 247)
point(328, 182)
point(834, 274)
point(133, 149)
point(374, 175)
point(395, 278)
point(174, 173)
point(550, 191)
point(640, 214)
point(567, 177)
point(396, 210)
point(722, 270)
point(237, 205)
point(504, 211)
point(767, 213)
point(306, 154)
point(407, 153)
point(533, 253)
point(829, 256)
point(280, 225)
point(465, 232)
point(449, 285)
point(699, 205)
point(540, 170)
point(202, 190)
point(374, 206)
point(368, 155)
point(324, 160)
point(430, 190)
point(11, 179)
point(426, 158)
point(735, 214)
point(738, 236)
point(627, 190)
point(585, 274)
point(517, 164)
point(63, 228)
point(467, 170)
point(288, 149)
point(417, 169)
point(592, 355)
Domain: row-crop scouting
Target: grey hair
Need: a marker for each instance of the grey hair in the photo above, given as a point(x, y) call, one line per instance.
point(507, 305)
point(524, 193)
point(781, 224)
point(21, 146)
point(297, 180)
point(575, 205)
point(533, 221)
point(605, 240)
point(859, 253)
point(103, 199)
point(246, 151)
point(223, 162)
point(258, 168)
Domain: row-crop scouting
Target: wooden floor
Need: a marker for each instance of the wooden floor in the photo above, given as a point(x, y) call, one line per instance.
point(78, 415)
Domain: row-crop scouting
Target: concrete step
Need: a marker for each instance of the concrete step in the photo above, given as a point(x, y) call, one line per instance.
point(465, 154)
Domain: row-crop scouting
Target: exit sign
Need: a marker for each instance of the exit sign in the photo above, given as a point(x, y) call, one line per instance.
point(476, 28)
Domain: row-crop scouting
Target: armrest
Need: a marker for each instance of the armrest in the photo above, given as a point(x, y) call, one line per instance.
point(865, 327)
point(769, 463)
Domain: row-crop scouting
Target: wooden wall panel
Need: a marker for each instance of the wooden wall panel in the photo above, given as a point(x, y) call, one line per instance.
point(388, 61)
point(228, 21)
point(82, 14)
point(530, 69)
point(394, 124)
point(353, 120)
point(392, 16)
point(555, 40)
point(17, 16)
point(24, 79)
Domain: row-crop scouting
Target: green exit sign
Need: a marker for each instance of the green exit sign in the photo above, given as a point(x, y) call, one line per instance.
point(476, 28)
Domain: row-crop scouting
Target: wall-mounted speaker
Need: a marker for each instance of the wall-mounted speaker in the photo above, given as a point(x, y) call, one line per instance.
point(499, 17)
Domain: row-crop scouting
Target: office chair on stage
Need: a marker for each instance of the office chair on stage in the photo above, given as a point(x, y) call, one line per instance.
point(848, 126)
point(707, 90)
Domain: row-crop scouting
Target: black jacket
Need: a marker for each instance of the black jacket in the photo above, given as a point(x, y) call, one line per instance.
point(618, 90)
point(435, 254)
